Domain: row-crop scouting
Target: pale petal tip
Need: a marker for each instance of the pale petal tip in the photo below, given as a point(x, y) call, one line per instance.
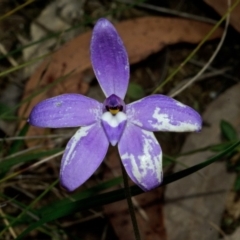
point(103, 22)
point(148, 188)
point(198, 122)
point(68, 185)
point(114, 142)
point(150, 184)
point(33, 117)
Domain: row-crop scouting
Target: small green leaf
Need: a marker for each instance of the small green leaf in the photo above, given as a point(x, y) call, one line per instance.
point(135, 91)
point(228, 131)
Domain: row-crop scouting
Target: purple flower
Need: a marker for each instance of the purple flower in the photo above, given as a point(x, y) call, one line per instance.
point(130, 126)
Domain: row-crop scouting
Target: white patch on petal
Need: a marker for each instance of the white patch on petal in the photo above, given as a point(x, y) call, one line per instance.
point(58, 103)
point(135, 170)
point(180, 104)
point(148, 161)
point(130, 115)
point(114, 126)
point(97, 111)
point(114, 142)
point(163, 120)
point(70, 150)
point(164, 123)
point(114, 120)
point(121, 117)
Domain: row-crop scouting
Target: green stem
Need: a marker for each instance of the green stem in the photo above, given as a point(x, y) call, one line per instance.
point(130, 204)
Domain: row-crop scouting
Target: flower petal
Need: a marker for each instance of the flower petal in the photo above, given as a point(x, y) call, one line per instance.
point(141, 156)
point(67, 110)
point(162, 113)
point(84, 153)
point(109, 59)
point(114, 126)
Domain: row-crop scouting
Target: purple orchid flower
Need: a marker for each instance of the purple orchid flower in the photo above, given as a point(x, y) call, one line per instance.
point(130, 126)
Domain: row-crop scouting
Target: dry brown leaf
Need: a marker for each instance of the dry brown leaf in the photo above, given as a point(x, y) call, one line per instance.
point(141, 36)
point(221, 7)
point(195, 204)
point(149, 213)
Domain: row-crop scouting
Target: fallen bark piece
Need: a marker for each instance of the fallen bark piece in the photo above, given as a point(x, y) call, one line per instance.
point(195, 204)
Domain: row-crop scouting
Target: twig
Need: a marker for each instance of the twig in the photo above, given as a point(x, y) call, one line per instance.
point(211, 58)
point(226, 75)
point(35, 137)
point(189, 57)
point(21, 152)
point(45, 160)
point(16, 9)
point(171, 11)
point(6, 222)
point(9, 58)
point(202, 77)
point(31, 166)
point(219, 230)
point(31, 205)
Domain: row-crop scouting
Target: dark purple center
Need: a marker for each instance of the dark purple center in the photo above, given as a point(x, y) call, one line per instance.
point(114, 104)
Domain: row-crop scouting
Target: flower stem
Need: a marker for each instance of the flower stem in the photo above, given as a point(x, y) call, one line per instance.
point(130, 204)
